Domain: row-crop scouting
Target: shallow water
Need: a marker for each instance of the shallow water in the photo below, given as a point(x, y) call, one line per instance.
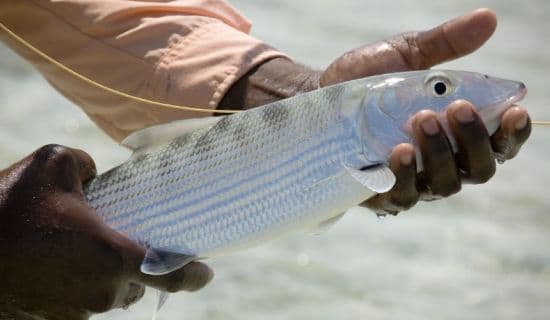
point(482, 254)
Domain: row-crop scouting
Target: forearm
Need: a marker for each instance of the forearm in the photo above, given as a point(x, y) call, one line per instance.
point(182, 52)
point(270, 81)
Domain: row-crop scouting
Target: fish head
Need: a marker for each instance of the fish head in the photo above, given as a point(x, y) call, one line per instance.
point(393, 99)
point(412, 92)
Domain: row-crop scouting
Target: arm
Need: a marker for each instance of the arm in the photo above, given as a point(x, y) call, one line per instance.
point(253, 74)
point(59, 261)
point(184, 52)
point(443, 172)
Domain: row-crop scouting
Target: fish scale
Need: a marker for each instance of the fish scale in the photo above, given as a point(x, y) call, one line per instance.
point(261, 195)
point(221, 189)
point(244, 179)
point(246, 196)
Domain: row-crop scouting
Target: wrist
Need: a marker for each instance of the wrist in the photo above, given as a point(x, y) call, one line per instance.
point(273, 80)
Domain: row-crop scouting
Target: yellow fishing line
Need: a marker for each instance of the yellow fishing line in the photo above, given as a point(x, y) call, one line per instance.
point(129, 96)
point(103, 87)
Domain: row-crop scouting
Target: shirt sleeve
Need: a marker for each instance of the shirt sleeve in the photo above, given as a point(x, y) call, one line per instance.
point(184, 52)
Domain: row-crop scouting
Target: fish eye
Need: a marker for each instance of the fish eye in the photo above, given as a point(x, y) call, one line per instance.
point(440, 88)
point(438, 85)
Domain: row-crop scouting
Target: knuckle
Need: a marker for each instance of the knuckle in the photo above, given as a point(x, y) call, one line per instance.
point(410, 39)
point(406, 44)
point(51, 150)
point(448, 189)
point(53, 154)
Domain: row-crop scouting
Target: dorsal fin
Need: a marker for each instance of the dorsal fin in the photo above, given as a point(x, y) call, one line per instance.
point(163, 133)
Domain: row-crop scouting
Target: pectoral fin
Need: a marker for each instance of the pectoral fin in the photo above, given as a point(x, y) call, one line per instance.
point(159, 262)
point(326, 224)
point(378, 178)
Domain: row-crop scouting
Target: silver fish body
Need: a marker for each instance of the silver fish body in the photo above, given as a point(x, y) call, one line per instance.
point(282, 167)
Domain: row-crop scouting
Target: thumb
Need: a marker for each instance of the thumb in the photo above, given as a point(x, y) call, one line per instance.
point(415, 50)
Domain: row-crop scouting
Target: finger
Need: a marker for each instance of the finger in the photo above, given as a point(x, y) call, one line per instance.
point(404, 194)
point(64, 167)
point(191, 277)
point(514, 130)
point(474, 157)
point(451, 40)
point(414, 50)
point(440, 176)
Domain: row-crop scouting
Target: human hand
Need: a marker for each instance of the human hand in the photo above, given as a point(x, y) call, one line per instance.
point(443, 172)
point(59, 260)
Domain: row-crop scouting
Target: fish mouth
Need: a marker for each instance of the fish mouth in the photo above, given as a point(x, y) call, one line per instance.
point(519, 96)
point(491, 115)
point(522, 91)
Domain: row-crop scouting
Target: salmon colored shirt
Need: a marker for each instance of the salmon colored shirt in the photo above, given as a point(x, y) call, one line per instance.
point(185, 52)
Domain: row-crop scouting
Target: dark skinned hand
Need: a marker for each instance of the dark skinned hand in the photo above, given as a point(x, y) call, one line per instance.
point(443, 172)
point(59, 260)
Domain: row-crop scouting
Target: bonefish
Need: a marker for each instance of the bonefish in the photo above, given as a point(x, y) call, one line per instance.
point(199, 188)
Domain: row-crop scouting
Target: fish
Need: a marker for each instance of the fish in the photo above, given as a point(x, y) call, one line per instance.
point(147, 196)
point(199, 188)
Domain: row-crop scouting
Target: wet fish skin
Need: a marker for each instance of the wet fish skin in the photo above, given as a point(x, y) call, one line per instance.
point(286, 166)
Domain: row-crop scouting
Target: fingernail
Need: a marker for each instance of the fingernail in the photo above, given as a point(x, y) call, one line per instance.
point(522, 122)
point(430, 126)
point(464, 115)
point(406, 159)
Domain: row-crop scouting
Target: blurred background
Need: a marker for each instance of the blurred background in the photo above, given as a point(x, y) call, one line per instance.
point(481, 254)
